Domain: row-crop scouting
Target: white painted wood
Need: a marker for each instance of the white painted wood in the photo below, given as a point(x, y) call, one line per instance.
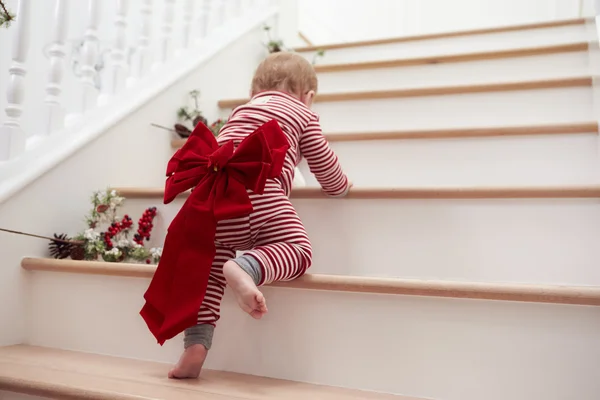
point(12, 136)
point(204, 13)
point(221, 13)
point(166, 41)
point(143, 56)
point(426, 347)
point(119, 65)
point(158, 92)
point(57, 53)
point(563, 65)
point(89, 57)
point(497, 161)
point(237, 8)
point(188, 17)
point(547, 241)
point(531, 107)
point(462, 44)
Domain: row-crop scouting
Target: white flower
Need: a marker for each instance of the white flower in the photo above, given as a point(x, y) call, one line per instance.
point(91, 235)
point(156, 252)
point(113, 193)
point(123, 243)
point(116, 202)
point(137, 246)
point(114, 251)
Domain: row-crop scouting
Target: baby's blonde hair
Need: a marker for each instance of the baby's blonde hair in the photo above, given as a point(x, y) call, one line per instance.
point(288, 72)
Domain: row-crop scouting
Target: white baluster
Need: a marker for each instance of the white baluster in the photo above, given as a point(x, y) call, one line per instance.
point(237, 8)
point(221, 13)
point(119, 65)
point(56, 117)
point(167, 30)
point(188, 17)
point(89, 57)
point(143, 54)
point(12, 136)
point(204, 19)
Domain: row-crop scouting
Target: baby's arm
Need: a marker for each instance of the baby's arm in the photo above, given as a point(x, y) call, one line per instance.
point(322, 161)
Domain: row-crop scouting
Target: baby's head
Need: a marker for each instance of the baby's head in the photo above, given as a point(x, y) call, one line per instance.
point(286, 72)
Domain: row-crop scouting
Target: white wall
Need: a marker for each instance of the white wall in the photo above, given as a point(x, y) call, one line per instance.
point(130, 154)
point(331, 21)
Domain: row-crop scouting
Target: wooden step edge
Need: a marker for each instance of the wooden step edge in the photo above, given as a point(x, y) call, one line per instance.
point(455, 58)
point(433, 193)
point(576, 295)
point(64, 374)
point(455, 133)
point(53, 390)
point(438, 91)
point(445, 35)
point(305, 39)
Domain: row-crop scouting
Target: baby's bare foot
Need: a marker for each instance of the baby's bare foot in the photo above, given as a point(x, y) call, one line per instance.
point(249, 298)
point(190, 363)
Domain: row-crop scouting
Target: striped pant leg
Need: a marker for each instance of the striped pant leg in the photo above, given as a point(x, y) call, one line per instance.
point(282, 247)
point(211, 306)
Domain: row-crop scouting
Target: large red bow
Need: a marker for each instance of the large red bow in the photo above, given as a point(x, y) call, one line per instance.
point(219, 177)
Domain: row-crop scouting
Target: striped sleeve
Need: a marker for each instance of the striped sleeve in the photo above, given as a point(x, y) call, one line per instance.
point(322, 161)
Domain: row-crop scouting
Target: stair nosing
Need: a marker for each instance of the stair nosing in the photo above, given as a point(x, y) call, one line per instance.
point(106, 371)
point(412, 193)
point(455, 58)
point(456, 133)
point(556, 294)
point(578, 81)
point(445, 35)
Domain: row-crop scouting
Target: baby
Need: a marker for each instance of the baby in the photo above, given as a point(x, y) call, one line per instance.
point(275, 242)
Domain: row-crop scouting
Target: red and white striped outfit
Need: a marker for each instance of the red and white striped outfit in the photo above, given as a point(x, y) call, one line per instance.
point(273, 233)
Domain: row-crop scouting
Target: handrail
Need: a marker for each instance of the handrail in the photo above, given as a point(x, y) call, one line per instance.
point(433, 193)
point(557, 294)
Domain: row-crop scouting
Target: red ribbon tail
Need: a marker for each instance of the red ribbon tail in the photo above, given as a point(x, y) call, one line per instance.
point(179, 285)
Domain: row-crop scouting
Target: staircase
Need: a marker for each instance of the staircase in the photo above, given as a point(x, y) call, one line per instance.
point(462, 266)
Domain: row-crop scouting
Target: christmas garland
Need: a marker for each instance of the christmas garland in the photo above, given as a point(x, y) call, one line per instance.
point(108, 236)
point(6, 16)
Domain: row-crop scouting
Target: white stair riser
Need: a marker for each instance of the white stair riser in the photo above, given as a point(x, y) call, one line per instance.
point(433, 348)
point(528, 107)
point(463, 73)
point(456, 45)
point(506, 161)
point(535, 241)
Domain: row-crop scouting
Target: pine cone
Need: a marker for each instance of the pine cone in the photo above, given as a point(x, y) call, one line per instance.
point(182, 131)
point(199, 119)
point(60, 249)
point(77, 252)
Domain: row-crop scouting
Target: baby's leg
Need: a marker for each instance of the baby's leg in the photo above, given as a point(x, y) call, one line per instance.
point(282, 253)
point(198, 339)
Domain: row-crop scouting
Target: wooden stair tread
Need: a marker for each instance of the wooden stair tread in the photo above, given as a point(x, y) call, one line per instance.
point(454, 58)
point(74, 375)
point(576, 295)
point(442, 35)
point(438, 91)
point(433, 193)
point(455, 133)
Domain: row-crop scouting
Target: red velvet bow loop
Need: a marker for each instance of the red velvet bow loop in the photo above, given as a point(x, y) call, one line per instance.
point(220, 177)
